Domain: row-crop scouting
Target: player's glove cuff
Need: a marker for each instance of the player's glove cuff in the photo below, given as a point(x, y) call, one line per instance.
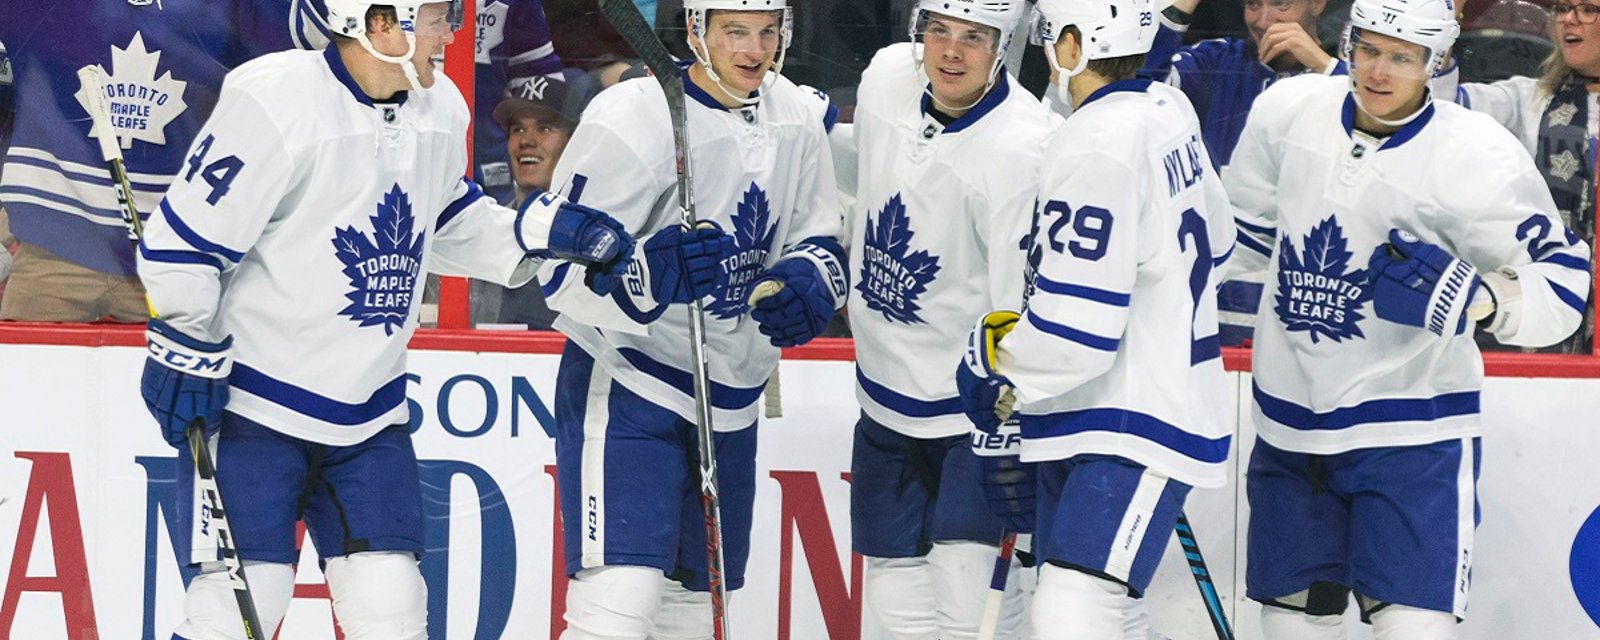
point(979, 384)
point(1501, 313)
point(176, 350)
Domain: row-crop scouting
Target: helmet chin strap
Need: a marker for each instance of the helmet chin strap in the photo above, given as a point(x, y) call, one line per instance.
point(406, 65)
point(1427, 97)
point(927, 84)
point(1063, 74)
point(702, 53)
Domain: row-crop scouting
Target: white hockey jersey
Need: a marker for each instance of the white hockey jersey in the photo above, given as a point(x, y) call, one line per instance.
point(1117, 350)
point(763, 173)
point(1315, 197)
point(302, 226)
point(941, 212)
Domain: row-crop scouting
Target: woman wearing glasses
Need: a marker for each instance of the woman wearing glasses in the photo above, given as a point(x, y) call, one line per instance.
point(1555, 116)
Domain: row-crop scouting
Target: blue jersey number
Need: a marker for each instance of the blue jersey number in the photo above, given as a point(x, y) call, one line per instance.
point(219, 174)
point(1192, 231)
point(1535, 230)
point(1091, 229)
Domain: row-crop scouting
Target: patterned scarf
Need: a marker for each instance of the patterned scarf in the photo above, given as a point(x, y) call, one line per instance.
point(1567, 160)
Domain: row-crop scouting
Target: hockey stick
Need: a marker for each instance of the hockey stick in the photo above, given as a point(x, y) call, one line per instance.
point(92, 80)
point(1202, 578)
point(625, 18)
point(997, 588)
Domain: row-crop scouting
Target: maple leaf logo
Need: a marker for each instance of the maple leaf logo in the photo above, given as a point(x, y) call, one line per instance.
point(141, 106)
point(752, 241)
point(383, 269)
point(892, 275)
point(1035, 255)
point(1315, 294)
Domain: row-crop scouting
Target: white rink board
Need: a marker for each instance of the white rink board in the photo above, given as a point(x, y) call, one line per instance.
point(77, 409)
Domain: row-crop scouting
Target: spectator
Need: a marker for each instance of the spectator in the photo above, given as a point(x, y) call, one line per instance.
point(165, 64)
point(1554, 117)
point(1222, 77)
point(539, 115)
point(513, 46)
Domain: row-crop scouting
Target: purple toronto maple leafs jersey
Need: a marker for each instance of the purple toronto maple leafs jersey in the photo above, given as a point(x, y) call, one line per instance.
point(302, 224)
point(513, 44)
point(764, 173)
point(164, 63)
point(940, 214)
point(1314, 197)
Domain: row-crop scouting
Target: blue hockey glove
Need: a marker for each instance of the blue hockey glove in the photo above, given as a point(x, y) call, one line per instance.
point(1008, 482)
point(592, 238)
point(799, 309)
point(681, 265)
point(1421, 285)
point(978, 380)
point(185, 379)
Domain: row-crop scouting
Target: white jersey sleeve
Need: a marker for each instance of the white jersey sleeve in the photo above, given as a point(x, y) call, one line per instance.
point(606, 168)
point(1513, 225)
point(1252, 180)
point(478, 238)
point(1088, 237)
point(237, 170)
point(1516, 103)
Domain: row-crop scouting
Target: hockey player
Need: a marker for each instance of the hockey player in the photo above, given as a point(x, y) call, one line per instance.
point(626, 443)
point(1553, 116)
point(1390, 224)
point(949, 147)
point(283, 268)
point(1114, 361)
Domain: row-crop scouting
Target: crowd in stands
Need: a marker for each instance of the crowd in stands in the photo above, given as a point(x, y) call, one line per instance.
point(1532, 65)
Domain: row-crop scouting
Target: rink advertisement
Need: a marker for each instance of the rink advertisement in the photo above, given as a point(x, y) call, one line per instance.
point(86, 507)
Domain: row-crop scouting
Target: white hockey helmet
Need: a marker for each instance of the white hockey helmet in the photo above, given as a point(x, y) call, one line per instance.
point(1108, 28)
point(697, 15)
point(1429, 23)
point(1003, 15)
point(349, 18)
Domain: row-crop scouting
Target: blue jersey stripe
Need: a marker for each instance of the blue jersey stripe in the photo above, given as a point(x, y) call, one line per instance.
point(311, 404)
point(1222, 259)
point(110, 214)
point(1250, 242)
point(99, 180)
point(1073, 335)
point(1566, 295)
point(1568, 261)
point(193, 239)
point(906, 405)
point(1256, 228)
point(1133, 423)
point(180, 257)
point(474, 193)
point(1438, 407)
point(1102, 296)
point(722, 396)
point(557, 275)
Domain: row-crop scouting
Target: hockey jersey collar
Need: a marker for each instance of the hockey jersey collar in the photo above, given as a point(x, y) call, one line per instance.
point(336, 65)
point(996, 96)
point(1404, 135)
point(699, 95)
point(1133, 86)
